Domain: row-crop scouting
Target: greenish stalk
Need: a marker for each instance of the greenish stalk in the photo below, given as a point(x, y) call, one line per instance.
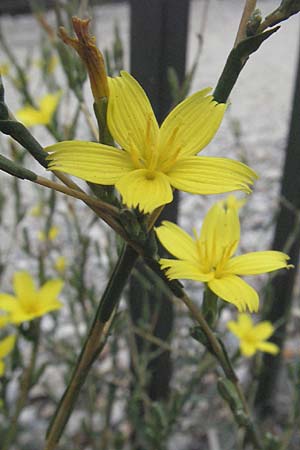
point(219, 353)
point(16, 169)
point(216, 347)
point(20, 134)
point(92, 346)
point(25, 386)
point(236, 60)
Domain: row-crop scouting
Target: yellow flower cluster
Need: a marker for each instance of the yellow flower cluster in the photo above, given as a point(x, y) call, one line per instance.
point(151, 162)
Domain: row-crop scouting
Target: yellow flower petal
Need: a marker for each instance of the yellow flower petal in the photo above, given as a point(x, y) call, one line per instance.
point(242, 327)
point(177, 241)
point(186, 270)
point(7, 302)
point(6, 345)
point(220, 234)
point(90, 161)
point(197, 119)
point(24, 286)
point(145, 189)
point(235, 328)
point(20, 315)
point(263, 330)
point(236, 291)
point(48, 105)
point(130, 114)
point(49, 291)
point(245, 322)
point(268, 347)
point(30, 303)
point(247, 348)
point(31, 116)
point(257, 262)
point(209, 175)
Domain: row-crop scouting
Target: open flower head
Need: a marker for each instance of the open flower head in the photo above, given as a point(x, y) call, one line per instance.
point(29, 302)
point(60, 264)
point(154, 160)
point(37, 210)
point(43, 114)
point(209, 257)
point(253, 337)
point(6, 346)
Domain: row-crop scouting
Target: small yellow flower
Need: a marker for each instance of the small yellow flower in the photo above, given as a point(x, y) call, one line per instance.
point(42, 115)
point(60, 264)
point(4, 69)
point(52, 234)
point(209, 257)
point(37, 210)
point(253, 337)
point(154, 159)
point(30, 303)
point(6, 346)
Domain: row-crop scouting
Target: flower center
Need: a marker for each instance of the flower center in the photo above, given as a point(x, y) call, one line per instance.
point(213, 259)
point(150, 175)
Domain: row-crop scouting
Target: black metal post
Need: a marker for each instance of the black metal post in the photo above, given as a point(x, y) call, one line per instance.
point(158, 41)
point(283, 283)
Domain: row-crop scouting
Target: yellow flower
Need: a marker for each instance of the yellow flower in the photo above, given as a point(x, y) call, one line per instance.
point(4, 69)
point(29, 302)
point(52, 234)
point(253, 337)
point(60, 264)
point(154, 160)
point(209, 257)
point(37, 210)
point(6, 346)
point(42, 115)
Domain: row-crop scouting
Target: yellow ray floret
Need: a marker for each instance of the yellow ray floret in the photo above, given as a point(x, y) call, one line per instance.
point(43, 114)
point(253, 337)
point(29, 302)
point(154, 160)
point(209, 257)
point(6, 346)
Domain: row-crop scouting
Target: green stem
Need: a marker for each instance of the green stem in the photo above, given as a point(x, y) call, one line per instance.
point(92, 346)
point(26, 383)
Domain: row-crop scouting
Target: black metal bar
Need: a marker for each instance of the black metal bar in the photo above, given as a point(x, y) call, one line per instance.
point(158, 41)
point(282, 284)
